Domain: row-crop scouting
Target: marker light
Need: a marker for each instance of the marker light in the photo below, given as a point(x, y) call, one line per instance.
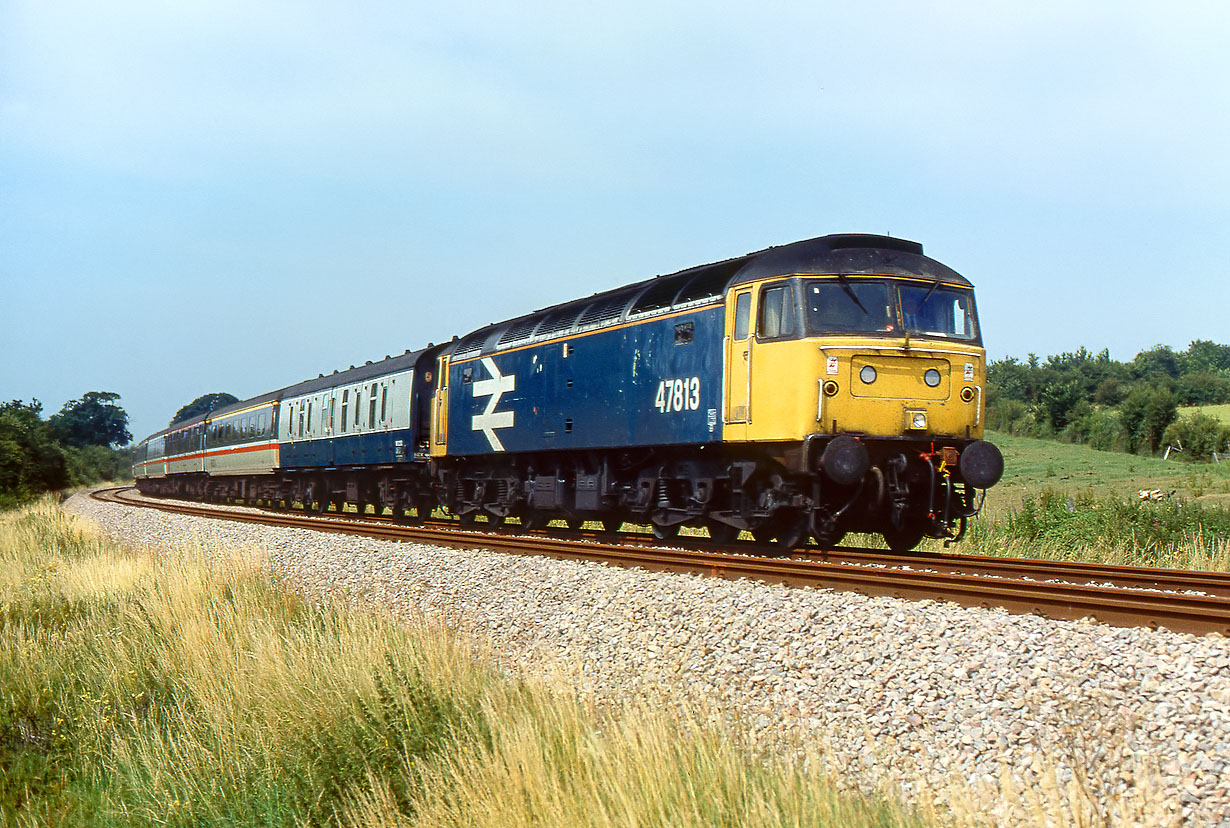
point(917, 419)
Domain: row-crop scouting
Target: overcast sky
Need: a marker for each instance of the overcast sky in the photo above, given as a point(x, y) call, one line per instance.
point(233, 196)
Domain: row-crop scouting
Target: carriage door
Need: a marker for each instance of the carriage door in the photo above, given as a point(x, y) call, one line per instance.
point(439, 420)
point(738, 358)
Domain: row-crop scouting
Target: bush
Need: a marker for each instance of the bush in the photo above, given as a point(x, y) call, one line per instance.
point(1100, 429)
point(1198, 435)
point(1153, 530)
point(94, 464)
point(1015, 417)
point(1145, 414)
point(1204, 388)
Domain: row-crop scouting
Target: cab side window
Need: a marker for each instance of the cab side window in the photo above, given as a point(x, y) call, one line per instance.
point(743, 315)
point(776, 313)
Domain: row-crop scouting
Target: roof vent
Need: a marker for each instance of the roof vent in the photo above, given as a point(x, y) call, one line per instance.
point(856, 240)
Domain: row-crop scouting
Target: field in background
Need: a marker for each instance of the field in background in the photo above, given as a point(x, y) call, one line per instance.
point(1032, 466)
point(1073, 502)
point(1217, 412)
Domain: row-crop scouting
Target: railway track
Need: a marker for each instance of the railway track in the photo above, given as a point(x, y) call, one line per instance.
point(1180, 600)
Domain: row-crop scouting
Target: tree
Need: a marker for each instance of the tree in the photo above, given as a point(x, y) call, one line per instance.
point(203, 405)
point(1060, 401)
point(93, 420)
point(30, 459)
point(1145, 414)
point(1203, 355)
point(1160, 360)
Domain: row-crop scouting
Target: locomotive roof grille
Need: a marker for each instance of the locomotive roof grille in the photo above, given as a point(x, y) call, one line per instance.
point(471, 345)
point(517, 331)
point(709, 282)
point(659, 295)
point(558, 321)
point(609, 309)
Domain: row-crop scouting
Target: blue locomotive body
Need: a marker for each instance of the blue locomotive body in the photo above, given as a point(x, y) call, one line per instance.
point(656, 381)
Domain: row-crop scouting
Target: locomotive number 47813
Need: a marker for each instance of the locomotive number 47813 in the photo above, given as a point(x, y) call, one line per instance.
point(678, 395)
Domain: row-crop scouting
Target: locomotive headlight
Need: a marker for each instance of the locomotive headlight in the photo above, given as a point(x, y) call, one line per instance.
point(932, 377)
point(830, 388)
point(967, 394)
point(916, 419)
point(867, 375)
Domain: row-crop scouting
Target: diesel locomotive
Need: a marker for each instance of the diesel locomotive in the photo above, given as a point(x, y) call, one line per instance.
point(804, 391)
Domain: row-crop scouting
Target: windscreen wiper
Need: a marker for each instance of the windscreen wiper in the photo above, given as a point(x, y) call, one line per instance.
point(845, 285)
point(934, 285)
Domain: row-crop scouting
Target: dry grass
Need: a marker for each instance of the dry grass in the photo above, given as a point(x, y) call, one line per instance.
point(144, 689)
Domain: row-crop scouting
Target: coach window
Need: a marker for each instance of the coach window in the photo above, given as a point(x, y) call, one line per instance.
point(301, 415)
point(371, 407)
point(357, 393)
point(776, 312)
point(345, 407)
point(384, 402)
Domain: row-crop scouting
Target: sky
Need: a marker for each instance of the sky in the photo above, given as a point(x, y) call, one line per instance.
point(231, 196)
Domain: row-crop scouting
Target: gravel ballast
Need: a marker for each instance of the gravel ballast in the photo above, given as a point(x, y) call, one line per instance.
point(977, 705)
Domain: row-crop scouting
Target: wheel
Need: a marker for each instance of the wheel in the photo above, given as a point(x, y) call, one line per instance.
point(827, 540)
point(467, 518)
point(611, 525)
point(574, 523)
point(903, 539)
point(722, 534)
point(790, 532)
point(495, 521)
point(784, 531)
point(666, 532)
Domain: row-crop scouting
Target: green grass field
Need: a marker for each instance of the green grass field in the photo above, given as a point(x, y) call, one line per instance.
point(1072, 502)
point(1217, 412)
point(1032, 466)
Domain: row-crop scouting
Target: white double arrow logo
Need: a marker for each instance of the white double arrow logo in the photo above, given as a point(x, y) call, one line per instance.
point(495, 388)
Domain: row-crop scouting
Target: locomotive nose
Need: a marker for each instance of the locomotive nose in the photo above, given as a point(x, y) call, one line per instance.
point(981, 464)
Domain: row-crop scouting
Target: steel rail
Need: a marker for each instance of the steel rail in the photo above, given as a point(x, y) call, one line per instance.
point(1018, 587)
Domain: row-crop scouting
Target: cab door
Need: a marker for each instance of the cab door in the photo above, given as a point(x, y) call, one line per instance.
point(739, 343)
point(439, 419)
